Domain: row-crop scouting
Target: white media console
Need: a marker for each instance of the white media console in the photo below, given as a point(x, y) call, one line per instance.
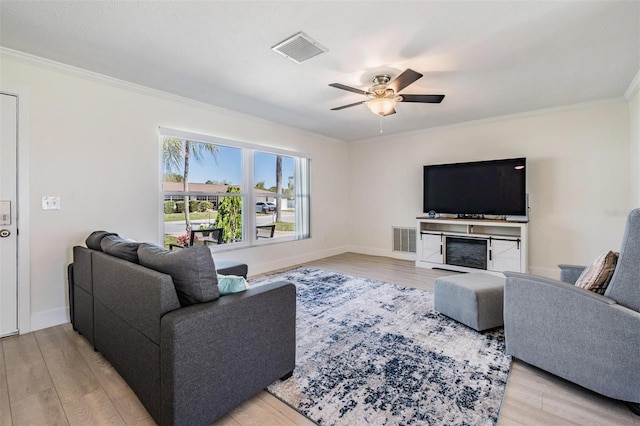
point(470, 245)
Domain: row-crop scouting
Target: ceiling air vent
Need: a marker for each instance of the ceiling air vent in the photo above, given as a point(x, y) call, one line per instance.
point(299, 48)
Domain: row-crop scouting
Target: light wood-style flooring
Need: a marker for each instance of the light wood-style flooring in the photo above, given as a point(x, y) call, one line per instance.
point(53, 376)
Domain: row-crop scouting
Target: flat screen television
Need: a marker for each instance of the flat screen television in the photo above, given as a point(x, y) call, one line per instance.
point(496, 187)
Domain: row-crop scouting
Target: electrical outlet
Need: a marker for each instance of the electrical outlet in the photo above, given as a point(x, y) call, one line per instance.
point(50, 203)
point(615, 213)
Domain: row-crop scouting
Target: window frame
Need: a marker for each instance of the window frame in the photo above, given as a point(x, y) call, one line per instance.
point(302, 164)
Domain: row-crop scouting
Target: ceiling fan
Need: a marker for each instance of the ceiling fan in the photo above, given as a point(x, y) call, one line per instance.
point(383, 95)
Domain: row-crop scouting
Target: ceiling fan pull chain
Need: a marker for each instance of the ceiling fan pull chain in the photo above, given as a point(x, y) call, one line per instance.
point(381, 124)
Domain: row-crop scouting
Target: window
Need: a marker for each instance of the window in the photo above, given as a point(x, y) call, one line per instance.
point(208, 183)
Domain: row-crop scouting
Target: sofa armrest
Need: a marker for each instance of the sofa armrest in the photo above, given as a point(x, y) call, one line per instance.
point(574, 333)
point(216, 355)
point(570, 273)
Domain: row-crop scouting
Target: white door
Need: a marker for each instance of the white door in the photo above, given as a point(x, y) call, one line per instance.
point(505, 255)
point(8, 216)
point(431, 248)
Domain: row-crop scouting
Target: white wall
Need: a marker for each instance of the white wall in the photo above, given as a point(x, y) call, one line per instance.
point(578, 179)
point(94, 143)
point(634, 129)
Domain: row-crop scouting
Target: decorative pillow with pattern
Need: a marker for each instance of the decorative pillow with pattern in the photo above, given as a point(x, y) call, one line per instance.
point(596, 276)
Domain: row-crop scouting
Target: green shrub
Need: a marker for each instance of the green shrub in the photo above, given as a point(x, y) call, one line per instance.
point(169, 207)
point(205, 205)
point(179, 206)
point(230, 216)
point(193, 205)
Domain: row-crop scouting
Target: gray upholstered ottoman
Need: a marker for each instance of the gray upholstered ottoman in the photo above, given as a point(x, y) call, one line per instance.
point(474, 299)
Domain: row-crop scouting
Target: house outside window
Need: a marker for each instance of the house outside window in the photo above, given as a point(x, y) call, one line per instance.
point(208, 185)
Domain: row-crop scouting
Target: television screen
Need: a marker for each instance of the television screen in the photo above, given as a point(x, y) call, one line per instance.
point(495, 187)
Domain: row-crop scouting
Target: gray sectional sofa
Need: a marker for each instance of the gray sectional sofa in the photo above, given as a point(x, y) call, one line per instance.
point(189, 354)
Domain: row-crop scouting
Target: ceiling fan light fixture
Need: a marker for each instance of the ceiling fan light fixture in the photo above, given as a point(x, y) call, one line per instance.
point(381, 106)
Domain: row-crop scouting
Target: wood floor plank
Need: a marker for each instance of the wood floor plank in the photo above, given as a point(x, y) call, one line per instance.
point(577, 408)
point(226, 420)
point(28, 381)
point(131, 410)
point(506, 421)
point(109, 379)
point(289, 413)
point(70, 374)
point(564, 399)
point(27, 373)
point(519, 413)
point(94, 408)
point(256, 412)
point(21, 351)
point(5, 407)
point(42, 408)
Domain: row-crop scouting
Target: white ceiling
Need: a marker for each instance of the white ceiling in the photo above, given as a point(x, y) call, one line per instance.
point(489, 58)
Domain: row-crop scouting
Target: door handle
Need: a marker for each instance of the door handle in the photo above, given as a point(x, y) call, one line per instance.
point(4, 233)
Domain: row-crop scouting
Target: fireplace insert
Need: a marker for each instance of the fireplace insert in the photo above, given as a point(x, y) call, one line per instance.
point(468, 252)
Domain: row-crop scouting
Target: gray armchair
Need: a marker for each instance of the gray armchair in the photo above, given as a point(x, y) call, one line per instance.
point(584, 337)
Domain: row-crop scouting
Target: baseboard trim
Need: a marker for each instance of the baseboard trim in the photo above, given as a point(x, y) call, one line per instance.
point(382, 252)
point(261, 268)
point(46, 319)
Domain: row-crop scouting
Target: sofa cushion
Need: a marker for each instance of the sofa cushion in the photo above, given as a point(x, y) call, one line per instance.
point(95, 238)
point(119, 247)
point(231, 267)
point(596, 277)
point(192, 269)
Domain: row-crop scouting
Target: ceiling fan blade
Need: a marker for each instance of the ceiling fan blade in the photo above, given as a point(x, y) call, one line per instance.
point(393, 111)
point(407, 77)
point(350, 89)
point(427, 99)
point(347, 106)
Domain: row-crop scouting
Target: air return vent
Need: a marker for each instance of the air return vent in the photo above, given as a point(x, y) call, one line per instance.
point(299, 48)
point(404, 239)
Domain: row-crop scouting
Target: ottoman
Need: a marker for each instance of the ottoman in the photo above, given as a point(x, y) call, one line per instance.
point(475, 299)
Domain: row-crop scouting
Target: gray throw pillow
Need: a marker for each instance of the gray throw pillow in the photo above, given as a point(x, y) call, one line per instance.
point(95, 238)
point(119, 247)
point(192, 269)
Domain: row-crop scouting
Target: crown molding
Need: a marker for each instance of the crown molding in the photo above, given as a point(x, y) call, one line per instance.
point(71, 70)
point(570, 107)
point(29, 59)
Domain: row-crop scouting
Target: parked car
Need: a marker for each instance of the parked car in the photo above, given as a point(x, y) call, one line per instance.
point(262, 207)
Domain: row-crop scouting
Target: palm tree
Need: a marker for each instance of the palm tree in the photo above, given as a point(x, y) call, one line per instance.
point(176, 157)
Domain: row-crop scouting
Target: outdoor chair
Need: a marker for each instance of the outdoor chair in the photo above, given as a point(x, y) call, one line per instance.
point(265, 231)
point(209, 236)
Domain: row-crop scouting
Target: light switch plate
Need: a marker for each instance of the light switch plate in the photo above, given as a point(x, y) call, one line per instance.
point(50, 203)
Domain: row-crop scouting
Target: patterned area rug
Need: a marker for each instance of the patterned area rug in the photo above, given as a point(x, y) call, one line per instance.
point(376, 353)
